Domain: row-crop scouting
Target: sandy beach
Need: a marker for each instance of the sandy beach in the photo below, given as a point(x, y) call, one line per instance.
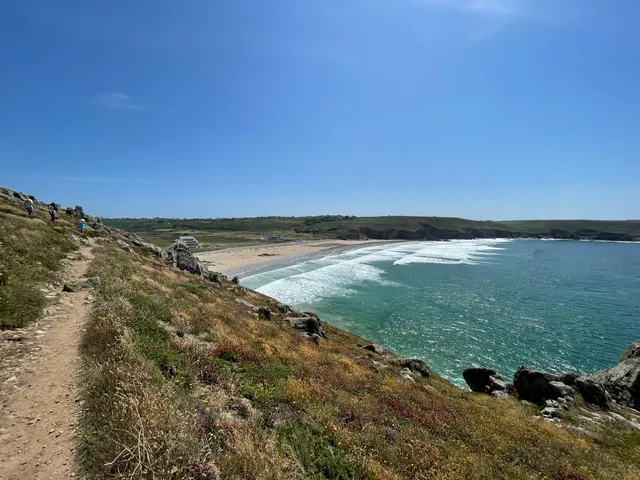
point(237, 261)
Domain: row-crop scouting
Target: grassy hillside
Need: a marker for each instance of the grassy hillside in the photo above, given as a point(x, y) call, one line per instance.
point(227, 232)
point(187, 379)
point(31, 250)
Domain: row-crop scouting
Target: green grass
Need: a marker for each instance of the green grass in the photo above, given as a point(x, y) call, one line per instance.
point(31, 250)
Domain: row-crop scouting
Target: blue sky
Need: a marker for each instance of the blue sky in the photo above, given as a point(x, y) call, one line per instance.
point(496, 109)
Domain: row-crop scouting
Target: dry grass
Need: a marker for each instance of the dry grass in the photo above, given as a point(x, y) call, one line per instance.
point(30, 253)
point(182, 381)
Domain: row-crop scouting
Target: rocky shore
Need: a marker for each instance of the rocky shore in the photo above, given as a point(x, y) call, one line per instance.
point(609, 390)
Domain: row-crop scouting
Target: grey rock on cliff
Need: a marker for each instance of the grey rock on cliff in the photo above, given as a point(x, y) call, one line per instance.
point(632, 352)
point(538, 386)
point(622, 382)
point(179, 256)
point(483, 380)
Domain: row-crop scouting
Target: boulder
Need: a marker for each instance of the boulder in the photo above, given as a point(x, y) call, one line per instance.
point(622, 382)
point(124, 246)
point(483, 380)
point(592, 392)
point(569, 378)
point(309, 324)
point(417, 365)
point(179, 255)
point(537, 386)
point(375, 348)
point(632, 352)
point(284, 308)
point(564, 391)
point(264, 313)
point(78, 211)
point(235, 280)
point(406, 374)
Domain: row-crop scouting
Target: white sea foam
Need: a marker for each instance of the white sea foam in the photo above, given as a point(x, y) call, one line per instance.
point(337, 275)
point(470, 252)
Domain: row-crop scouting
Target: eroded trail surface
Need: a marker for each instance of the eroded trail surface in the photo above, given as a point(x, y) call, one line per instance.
point(38, 371)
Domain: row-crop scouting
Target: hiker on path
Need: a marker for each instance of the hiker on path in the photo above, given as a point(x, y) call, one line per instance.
point(81, 225)
point(29, 206)
point(52, 211)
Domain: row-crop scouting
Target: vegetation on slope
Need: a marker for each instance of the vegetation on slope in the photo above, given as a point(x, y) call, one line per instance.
point(245, 230)
point(182, 380)
point(31, 250)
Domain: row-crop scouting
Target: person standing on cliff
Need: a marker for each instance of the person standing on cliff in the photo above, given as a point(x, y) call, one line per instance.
point(52, 211)
point(29, 206)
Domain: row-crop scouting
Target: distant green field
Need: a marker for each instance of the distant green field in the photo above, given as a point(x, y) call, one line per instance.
point(222, 233)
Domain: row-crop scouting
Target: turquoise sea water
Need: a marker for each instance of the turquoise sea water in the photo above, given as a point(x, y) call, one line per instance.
point(555, 305)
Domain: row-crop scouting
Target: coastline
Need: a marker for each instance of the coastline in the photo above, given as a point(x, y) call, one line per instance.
point(243, 261)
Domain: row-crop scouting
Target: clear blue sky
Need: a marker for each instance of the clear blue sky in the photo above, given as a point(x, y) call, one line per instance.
point(495, 109)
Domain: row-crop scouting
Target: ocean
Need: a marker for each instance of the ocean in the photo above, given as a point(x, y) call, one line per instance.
point(559, 306)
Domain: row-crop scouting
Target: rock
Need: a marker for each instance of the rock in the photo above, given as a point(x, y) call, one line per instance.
point(564, 391)
point(235, 280)
point(179, 255)
point(216, 276)
point(78, 212)
point(310, 324)
point(406, 374)
point(70, 287)
point(14, 338)
point(632, 352)
point(264, 313)
point(621, 382)
point(549, 412)
point(69, 211)
point(552, 404)
point(483, 380)
point(284, 308)
point(124, 246)
point(79, 240)
point(569, 378)
point(315, 338)
point(499, 394)
point(246, 303)
point(417, 365)
point(538, 386)
point(375, 348)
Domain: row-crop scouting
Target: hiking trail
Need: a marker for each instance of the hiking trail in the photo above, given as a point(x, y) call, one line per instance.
point(38, 391)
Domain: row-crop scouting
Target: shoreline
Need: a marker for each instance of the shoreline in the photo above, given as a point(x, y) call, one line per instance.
point(254, 259)
point(242, 261)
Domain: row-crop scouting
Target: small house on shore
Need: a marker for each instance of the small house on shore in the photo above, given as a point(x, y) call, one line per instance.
point(188, 240)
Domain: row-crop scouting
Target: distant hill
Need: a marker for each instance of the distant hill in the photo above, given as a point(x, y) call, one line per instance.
point(241, 230)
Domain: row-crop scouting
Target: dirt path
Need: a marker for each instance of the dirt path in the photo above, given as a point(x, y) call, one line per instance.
point(38, 400)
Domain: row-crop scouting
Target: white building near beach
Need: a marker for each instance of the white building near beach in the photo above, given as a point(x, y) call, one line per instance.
point(189, 241)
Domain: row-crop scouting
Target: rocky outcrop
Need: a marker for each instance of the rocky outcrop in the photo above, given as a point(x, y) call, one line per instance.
point(484, 380)
point(632, 352)
point(593, 392)
point(536, 386)
point(375, 348)
point(417, 365)
point(309, 324)
point(179, 255)
point(621, 382)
